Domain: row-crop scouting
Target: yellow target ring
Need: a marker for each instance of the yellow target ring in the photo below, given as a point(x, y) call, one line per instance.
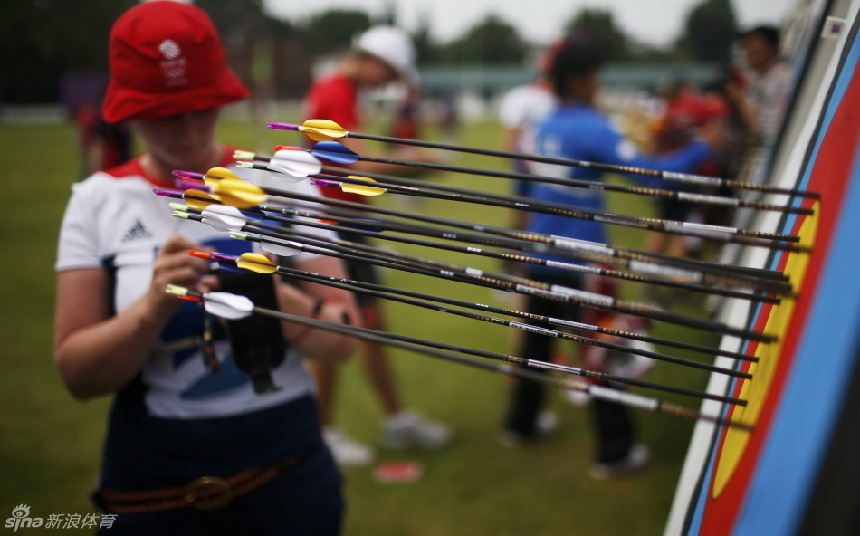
point(755, 389)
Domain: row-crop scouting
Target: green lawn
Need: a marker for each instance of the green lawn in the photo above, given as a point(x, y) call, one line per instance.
point(49, 443)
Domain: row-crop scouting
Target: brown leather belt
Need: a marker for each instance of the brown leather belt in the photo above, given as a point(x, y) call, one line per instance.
point(204, 493)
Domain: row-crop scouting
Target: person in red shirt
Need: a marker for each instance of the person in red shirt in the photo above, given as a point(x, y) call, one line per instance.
point(382, 55)
point(686, 111)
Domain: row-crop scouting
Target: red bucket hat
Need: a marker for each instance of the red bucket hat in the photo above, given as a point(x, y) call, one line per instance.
point(167, 58)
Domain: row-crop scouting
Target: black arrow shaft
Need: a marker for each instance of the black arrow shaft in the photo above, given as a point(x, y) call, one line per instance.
point(612, 168)
point(572, 267)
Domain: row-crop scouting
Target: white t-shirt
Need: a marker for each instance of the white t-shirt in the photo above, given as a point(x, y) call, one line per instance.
point(523, 108)
point(114, 221)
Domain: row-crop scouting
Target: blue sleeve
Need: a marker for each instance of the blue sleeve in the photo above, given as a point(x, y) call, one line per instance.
point(612, 148)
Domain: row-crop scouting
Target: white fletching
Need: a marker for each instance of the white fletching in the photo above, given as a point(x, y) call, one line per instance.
point(280, 247)
point(262, 177)
point(227, 305)
point(224, 217)
point(295, 162)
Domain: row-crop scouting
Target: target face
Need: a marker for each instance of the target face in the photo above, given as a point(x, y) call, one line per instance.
point(758, 482)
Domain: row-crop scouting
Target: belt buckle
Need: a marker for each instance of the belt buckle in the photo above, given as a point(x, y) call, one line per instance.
point(222, 496)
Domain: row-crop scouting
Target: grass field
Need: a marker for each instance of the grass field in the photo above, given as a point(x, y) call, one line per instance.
point(49, 443)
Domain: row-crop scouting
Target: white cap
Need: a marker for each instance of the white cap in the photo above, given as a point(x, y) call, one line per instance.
point(391, 45)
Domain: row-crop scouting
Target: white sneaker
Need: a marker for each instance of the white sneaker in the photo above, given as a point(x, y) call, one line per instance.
point(636, 460)
point(408, 429)
point(346, 450)
point(547, 423)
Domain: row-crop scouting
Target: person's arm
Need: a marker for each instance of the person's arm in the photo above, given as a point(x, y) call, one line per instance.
point(749, 116)
point(323, 302)
point(609, 146)
point(332, 102)
point(96, 353)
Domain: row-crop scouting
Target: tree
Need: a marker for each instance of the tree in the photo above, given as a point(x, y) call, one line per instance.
point(710, 29)
point(426, 49)
point(40, 40)
point(493, 40)
point(333, 30)
point(599, 26)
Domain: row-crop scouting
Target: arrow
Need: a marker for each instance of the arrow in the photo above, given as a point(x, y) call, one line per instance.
point(234, 221)
point(433, 349)
point(220, 304)
point(504, 282)
point(594, 250)
point(643, 262)
point(333, 151)
point(718, 233)
point(321, 130)
point(261, 264)
point(691, 270)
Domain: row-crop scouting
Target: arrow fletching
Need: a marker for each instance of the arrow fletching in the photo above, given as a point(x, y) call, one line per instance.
point(322, 130)
point(368, 191)
point(224, 217)
point(334, 152)
point(256, 262)
point(227, 305)
point(263, 178)
point(298, 163)
point(199, 199)
point(239, 193)
point(220, 173)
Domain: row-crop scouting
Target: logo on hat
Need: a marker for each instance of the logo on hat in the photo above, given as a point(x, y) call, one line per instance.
point(173, 66)
point(169, 49)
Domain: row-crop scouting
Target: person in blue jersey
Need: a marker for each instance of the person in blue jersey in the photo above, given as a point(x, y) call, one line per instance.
point(576, 129)
point(191, 448)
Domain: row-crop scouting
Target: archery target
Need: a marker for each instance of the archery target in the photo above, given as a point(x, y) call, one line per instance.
point(760, 482)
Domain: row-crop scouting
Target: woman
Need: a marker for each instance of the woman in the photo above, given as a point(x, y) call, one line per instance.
point(379, 56)
point(188, 450)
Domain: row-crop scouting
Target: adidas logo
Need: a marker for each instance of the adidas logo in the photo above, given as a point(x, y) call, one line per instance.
point(136, 232)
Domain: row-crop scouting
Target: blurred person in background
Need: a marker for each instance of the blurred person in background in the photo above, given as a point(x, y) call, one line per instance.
point(762, 104)
point(192, 447)
point(576, 129)
point(687, 110)
point(103, 145)
point(380, 56)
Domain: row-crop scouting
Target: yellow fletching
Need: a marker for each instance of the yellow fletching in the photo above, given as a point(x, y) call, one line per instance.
point(368, 191)
point(322, 130)
point(195, 198)
point(256, 262)
point(220, 173)
point(239, 193)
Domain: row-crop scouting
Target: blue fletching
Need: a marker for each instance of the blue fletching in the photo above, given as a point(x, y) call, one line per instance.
point(334, 152)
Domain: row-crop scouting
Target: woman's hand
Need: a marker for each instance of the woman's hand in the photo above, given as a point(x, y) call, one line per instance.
point(174, 266)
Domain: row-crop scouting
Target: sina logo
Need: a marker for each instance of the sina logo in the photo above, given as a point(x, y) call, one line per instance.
point(169, 49)
point(136, 232)
point(21, 518)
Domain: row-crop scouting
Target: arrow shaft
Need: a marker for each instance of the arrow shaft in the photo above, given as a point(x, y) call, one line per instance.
point(710, 232)
point(754, 278)
point(504, 282)
point(420, 299)
point(628, 399)
point(686, 178)
point(469, 250)
point(693, 198)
